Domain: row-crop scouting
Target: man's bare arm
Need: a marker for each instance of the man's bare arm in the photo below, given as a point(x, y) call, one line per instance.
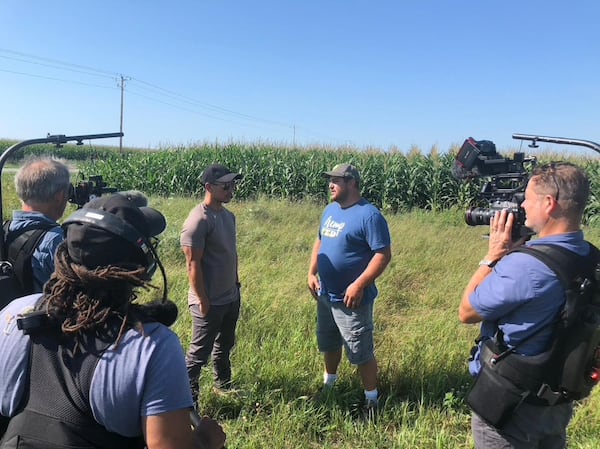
point(313, 280)
point(193, 261)
point(376, 266)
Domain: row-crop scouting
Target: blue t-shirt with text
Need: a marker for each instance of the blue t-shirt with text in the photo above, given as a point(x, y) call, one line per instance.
point(349, 239)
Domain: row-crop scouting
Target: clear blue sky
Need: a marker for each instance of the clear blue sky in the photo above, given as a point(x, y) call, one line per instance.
point(359, 73)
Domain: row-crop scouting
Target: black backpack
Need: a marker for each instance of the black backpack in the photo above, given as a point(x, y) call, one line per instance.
point(571, 367)
point(16, 250)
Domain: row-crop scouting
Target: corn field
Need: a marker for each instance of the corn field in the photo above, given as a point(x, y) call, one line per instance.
point(393, 181)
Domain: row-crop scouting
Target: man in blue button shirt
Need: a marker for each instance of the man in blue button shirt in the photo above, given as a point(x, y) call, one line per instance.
point(42, 185)
point(518, 295)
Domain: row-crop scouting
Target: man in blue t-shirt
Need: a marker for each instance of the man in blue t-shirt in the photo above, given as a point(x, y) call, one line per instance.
point(351, 251)
point(516, 297)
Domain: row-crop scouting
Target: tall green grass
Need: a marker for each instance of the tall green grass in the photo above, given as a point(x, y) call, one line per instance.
point(421, 346)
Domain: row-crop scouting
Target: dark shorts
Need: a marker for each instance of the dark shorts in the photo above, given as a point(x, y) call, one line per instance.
point(338, 326)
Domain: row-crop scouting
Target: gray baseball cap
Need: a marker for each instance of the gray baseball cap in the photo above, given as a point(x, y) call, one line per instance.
point(343, 171)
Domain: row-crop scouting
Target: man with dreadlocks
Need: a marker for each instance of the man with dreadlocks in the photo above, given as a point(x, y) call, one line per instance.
point(83, 365)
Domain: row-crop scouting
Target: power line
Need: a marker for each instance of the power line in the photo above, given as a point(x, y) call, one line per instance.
point(55, 66)
point(68, 64)
point(211, 106)
point(100, 72)
point(144, 85)
point(131, 92)
point(56, 79)
point(193, 111)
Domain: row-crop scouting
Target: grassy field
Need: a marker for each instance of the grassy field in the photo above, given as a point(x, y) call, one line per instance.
point(421, 346)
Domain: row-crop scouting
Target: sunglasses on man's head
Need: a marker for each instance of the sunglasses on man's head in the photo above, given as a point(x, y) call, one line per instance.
point(551, 170)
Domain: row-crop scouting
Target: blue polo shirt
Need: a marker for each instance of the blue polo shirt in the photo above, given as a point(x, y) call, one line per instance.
point(522, 295)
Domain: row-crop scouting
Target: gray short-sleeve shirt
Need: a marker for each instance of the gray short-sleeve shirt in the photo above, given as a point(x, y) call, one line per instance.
point(213, 231)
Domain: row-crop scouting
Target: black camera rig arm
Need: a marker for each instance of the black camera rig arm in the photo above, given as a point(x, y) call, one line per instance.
point(58, 140)
point(567, 141)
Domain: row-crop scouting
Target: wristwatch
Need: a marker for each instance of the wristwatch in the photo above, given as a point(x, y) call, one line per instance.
point(488, 263)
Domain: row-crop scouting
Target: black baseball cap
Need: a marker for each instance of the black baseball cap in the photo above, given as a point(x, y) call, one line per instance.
point(219, 173)
point(112, 230)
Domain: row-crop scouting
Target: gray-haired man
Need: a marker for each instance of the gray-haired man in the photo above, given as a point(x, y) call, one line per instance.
point(42, 185)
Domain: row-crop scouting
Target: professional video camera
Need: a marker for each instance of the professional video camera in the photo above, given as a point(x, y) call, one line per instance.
point(85, 191)
point(508, 178)
point(505, 188)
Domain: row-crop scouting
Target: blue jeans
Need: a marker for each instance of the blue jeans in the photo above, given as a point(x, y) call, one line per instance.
point(338, 326)
point(531, 427)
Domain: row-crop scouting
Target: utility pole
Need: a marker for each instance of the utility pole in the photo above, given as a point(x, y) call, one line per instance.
point(122, 85)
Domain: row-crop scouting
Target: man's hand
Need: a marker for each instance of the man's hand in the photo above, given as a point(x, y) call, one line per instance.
point(353, 296)
point(314, 285)
point(499, 244)
point(500, 241)
point(354, 293)
point(204, 307)
point(209, 434)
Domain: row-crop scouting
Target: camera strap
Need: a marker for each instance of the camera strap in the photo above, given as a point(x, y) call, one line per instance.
point(505, 350)
point(566, 264)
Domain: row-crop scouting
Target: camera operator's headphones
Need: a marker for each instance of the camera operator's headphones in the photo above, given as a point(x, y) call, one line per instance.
point(115, 225)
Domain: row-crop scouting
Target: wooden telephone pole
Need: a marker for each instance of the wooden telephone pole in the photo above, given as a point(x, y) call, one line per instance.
point(122, 86)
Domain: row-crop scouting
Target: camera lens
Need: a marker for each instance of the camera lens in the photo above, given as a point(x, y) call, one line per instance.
point(476, 216)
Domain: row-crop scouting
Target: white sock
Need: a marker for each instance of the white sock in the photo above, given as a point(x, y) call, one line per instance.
point(371, 395)
point(329, 379)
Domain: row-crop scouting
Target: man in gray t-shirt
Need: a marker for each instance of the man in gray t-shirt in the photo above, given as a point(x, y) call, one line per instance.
point(209, 243)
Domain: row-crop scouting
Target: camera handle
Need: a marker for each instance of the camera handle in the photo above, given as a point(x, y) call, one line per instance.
point(534, 139)
point(58, 140)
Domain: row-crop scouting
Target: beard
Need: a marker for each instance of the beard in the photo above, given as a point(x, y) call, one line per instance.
point(339, 196)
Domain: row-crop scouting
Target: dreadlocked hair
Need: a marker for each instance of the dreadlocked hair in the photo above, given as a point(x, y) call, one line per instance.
point(85, 300)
